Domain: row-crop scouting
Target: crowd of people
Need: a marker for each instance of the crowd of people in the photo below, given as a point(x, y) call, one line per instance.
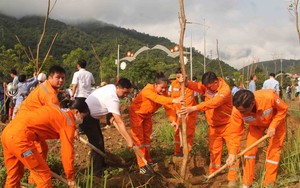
point(39, 116)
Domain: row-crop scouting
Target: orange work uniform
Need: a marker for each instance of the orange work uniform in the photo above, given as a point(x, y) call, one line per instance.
point(43, 94)
point(190, 120)
point(141, 111)
point(47, 122)
point(217, 107)
point(270, 112)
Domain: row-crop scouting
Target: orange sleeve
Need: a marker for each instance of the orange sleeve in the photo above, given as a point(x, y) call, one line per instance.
point(222, 96)
point(67, 149)
point(236, 130)
point(160, 99)
point(282, 109)
point(196, 86)
point(171, 112)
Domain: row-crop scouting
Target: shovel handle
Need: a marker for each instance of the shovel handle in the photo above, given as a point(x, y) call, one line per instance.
point(56, 176)
point(135, 149)
point(238, 156)
point(92, 147)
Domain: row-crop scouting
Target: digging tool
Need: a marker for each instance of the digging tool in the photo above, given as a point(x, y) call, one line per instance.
point(92, 147)
point(112, 158)
point(238, 156)
point(59, 177)
point(136, 151)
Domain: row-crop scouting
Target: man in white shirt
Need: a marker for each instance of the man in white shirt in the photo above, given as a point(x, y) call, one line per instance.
point(82, 82)
point(252, 85)
point(271, 83)
point(102, 101)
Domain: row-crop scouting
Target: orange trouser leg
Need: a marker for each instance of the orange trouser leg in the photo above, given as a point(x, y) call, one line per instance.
point(191, 125)
point(273, 154)
point(19, 153)
point(140, 129)
point(42, 148)
point(177, 149)
point(254, 133)
point(233, 170)
point(215, 148)
point(14, 169)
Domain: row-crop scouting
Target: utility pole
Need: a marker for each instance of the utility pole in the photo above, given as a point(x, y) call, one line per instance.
point(191, 59)
point(204, 32)
point(205, 27)
point(118, 63)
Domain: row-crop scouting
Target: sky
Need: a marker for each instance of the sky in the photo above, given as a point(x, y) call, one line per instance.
point(247, 31)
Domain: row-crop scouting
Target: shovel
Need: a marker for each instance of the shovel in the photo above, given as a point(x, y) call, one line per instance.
point(238, 156)
point(115, 158)
point(136, 151)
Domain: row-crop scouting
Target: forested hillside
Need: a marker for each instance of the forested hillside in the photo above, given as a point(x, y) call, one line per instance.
point(77, 41)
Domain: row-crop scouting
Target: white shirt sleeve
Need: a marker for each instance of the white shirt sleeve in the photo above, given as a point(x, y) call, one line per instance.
point(75, 78)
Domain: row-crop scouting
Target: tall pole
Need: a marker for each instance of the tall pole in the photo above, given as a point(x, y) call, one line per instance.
point(204, 63)
point(281, 72)
point(191, 59)
point(118, 63)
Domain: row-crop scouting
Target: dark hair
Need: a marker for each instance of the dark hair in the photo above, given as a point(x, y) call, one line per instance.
point(160, 77)
point(178, 71)
point(22, 78)
point(243, 98)
point(82, 63)
point(194, 78)
point(252, 76)
point(13, 71)
point(56, 69)
point(124, 83)
point(209, 77)
point(272, 74)
point(81, 106)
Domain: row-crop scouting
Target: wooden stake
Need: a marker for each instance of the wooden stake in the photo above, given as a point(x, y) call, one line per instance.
point(184, 137)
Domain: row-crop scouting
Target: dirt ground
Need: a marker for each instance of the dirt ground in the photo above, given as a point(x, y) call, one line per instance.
point(167, 168)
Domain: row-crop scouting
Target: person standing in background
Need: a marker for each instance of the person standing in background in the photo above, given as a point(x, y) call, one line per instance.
point(271, 83)
point(82, 82)
point(252, 85)
point(23, 90)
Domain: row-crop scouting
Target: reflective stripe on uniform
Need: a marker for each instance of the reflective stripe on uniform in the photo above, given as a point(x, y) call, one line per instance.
point(272, 162)
point(213, 165)
point(44, 87)
point(249, 156)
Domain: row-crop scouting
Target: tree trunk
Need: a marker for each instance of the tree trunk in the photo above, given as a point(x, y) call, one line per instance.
point(184, 137)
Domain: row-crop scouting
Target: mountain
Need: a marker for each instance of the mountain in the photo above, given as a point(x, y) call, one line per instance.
point(288, 66)
point(105, 38)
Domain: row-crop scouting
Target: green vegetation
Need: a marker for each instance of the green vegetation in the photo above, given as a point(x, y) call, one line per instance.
point(75, 42)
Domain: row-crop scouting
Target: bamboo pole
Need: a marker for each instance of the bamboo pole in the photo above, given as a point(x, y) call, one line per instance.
point(219, 60)
point(41, 38)
point(100, 64)
point(46, 56)
point(184, 137)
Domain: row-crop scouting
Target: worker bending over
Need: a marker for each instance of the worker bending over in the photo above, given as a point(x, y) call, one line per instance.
point(47, 122)
point(262, 110)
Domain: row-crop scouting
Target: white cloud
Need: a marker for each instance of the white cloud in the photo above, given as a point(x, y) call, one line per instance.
point(246, 30)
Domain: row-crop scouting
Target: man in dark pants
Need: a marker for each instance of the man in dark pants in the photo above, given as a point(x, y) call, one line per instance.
point(102, 101)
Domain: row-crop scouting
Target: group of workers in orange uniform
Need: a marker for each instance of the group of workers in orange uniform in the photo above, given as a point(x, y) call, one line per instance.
point(40, 118)
point(226, 115)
